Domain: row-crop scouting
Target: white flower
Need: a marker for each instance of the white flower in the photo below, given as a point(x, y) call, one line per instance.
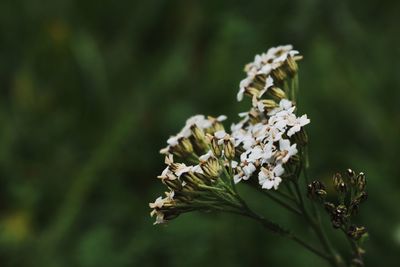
point(169, 159)
point(173, 140)
point(220, 134)
point(205, 157)
point(158, 203)
point(275, 134)
point(164, 150)
point(170, 195)
point(181, 169)
point(244, 173)
point(234, 164)
point(256, 153)
point(286, 150)
point(196, 169)
point(284, 105)
point(159, 216)
point(221, 118)
point(270, 177)
point(200, 121)
point(268, 83)
point(300, 122)
point(266, 69)
point(248, 170)
point(238, 177)
point(239, 96)
point(167, 174)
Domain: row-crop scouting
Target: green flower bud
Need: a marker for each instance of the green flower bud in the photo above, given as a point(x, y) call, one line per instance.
point(352, 177)
point(291, 66)
point(279, 93)
point(199, 136)
point(229, 148)
point(339, 184)
point(355, 232)
point(361, 181)
point(215, 147)
point(316, 190)
point(175, 185)
point(278, 74)
point(211, 168)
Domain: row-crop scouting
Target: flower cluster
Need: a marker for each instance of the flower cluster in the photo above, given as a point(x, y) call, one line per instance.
point(197, 182)
point(269, 69)
point(191, 139)
point(267, 147)
point(266, 135)
point(204, 161)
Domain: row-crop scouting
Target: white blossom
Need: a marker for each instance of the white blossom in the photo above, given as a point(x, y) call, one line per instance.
point(181, 169)
point(205, 157)
point(159, 217)
point(158, 203)
point(270, 177)
point(300, 122)
point(286, 150)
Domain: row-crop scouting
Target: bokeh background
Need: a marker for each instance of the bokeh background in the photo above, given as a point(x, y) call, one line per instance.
point(91, 90)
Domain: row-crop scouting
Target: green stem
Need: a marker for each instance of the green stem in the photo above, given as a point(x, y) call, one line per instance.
point(285, 233)
point(280, 202)
point(336, 260)
point(291, 199)
point(355, 248)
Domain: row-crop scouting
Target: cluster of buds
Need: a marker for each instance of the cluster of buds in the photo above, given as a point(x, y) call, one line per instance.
point(197, 182)
point(350, 192)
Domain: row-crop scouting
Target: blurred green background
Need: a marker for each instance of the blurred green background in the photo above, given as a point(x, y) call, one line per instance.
point(91, 90)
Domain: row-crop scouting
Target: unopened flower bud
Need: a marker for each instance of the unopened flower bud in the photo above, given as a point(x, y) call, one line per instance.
point(352, 177)
point(192, 180)
point(173, 184)
point(279, 93)
point(291, 66)
point(355, 203)
point(197, 133)
point(229, 148)
point(183, 148)
point(342, 188)
point(339, 184)
point(363, 196)
point(268, 103)
point(316, 190)
point(361, 181)
point(199, 136)
point(260, 79)
point(354, 206)
point(350, 173)
point(216, 125)
point(278, 74)
point(215, 147)
point(186, 145)
point(301, 137)
point(329, 207)
point(252, 91)
point(339, 216)
point(356, 232)
point(211, 168)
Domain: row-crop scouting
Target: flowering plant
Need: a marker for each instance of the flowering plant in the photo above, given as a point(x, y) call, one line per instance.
point(266, 149)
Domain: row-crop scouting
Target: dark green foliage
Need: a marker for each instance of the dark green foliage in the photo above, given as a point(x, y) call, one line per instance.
point(91, 90)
